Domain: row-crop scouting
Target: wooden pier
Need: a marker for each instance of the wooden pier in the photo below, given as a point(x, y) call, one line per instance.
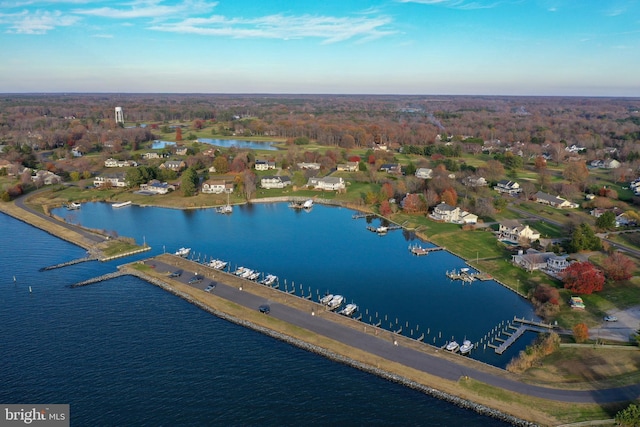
point(419, 250)
point(363, 215)
point(525, 326)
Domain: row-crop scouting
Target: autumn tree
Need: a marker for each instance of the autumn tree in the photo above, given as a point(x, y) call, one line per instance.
point(576, 173)
point(581, 332)
point(618, 267)
point(540, 163)
point(413, 203)
point(387, 190)
point(385, 208)
point(178, 134)
point(249, 181)
point(449, 196)
point(582, 278)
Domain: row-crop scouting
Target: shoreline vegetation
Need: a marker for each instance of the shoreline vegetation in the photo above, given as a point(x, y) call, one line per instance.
point(466, 392)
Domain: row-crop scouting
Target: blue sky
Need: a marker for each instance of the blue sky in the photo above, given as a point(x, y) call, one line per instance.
point(465, 47)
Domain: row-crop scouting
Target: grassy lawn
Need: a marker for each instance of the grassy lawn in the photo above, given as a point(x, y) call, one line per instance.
point(547, 230)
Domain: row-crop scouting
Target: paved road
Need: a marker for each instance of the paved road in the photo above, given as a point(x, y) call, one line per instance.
point(93, 237)
point(384, 347)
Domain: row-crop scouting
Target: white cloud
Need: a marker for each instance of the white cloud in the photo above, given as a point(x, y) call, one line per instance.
point(150, 9)
point(460, 4)
point(330, 29)
point(38, 22)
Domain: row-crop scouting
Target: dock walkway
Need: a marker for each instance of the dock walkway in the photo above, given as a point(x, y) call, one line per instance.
point(525, 326)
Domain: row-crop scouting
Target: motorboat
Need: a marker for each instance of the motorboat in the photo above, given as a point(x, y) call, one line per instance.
point(325, 300)
point(335, 302)
point(308, 204)
point(73, 206)
point(226, 209)
point(183, 252)
point(452, 346)
point(382, 229)
point(349, 309)
point(269, 280)
point(466, 347)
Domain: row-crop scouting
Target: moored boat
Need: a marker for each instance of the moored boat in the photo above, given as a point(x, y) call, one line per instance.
point(335, 302)
point(349, 309)
point(269, 280)
point(326, 299)
point(466, 347)
point(452, 346)
point(73, 206)
point(183, 252)
point(226, 209)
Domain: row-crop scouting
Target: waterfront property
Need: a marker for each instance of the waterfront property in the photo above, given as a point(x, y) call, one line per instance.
point(447, 213)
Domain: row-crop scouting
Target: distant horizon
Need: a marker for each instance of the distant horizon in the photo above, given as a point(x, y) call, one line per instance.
point(403, 47)
point(292, 94)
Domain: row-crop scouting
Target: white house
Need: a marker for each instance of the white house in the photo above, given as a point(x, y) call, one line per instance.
point(174, 165)
point(447, 213)
point(46, 177)
point(275, 181)
point(113, 163)
point(424, 173)
point(327, 183)
point(516, 232)
point(156, 187)
point(548, 262)
point(508, 187)
point(263, 165)
point(151, 155)
point(216, 186)
point(348, 167)
point(307, 165)
point(475, 181)
point(115, 180)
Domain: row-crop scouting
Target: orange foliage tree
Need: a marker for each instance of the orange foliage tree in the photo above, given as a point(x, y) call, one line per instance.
point(580, 332)
point(583, 278)
point(618, 267)
point(449, 196)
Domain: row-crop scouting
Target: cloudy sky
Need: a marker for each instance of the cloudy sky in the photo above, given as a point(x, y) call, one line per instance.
point(489, 47)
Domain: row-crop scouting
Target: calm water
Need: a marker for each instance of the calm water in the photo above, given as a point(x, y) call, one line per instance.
point(124, 352)
point(251, 145)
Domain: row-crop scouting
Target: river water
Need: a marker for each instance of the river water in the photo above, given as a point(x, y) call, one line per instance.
point(124, 352)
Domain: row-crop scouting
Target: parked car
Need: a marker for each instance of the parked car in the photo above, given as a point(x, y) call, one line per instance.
point(177, 273)
point(264, 308)
point(210, 287)
point(610, 318)
point(195, 279)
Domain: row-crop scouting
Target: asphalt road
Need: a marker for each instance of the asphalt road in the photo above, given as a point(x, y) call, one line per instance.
point(383, 347)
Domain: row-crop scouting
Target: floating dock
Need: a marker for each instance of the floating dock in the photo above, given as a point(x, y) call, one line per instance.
point(525, 326)
point(419, 250)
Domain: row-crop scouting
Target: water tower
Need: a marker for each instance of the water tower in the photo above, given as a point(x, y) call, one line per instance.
point(119, 115)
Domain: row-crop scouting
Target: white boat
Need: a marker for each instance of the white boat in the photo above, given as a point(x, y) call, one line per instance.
point(240, 271)
point(452, 346)
point(247, 272)
point(254, 275)
point(73, 206)
point(269, 280)
point(349, 309)
point(121, 204)
point(382, 230)
point(307, 204)
point(217, 264)
point(335, 302)
point(466, 347)
point(326, 299)
point(226, 209)
point(183, 252)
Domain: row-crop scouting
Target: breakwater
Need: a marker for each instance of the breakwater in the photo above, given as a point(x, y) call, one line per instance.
point(341, 358)
point(68, 263)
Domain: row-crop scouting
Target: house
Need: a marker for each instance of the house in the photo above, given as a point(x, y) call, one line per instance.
point(447, 213)
point(156, 187)
point(508, 187)
point(174, 165)
point(611, 164)
point(327, 183)
point(309, 166)
point(263, 165)
point(475, 181)
point(597, 212)
point(152, 155)
point(532, 259)
point(113, 180)
point(348, 167)
point(181, 151)
point(77, 151)
point(275, 181)
point(424, 173)
point(46, 177)
point(217, 186)
point(392, 168)
point(554, 201)
point(113, 163)
point(513, 231)
point(556, 264)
